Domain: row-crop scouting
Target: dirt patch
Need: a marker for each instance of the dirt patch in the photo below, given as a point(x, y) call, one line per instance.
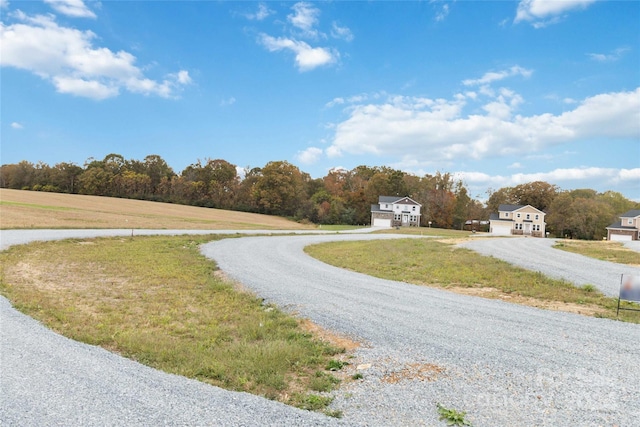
point(333, 338)
point(414, 372)
point(493, 293)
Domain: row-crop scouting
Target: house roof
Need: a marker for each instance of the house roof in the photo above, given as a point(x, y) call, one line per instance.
point(396, 199)
point(513, 208)
point(496, 217)
point(509, 208)
point(618, 226)
point(631, 214)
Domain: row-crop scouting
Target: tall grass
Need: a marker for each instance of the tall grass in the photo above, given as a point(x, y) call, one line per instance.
point(158, 301)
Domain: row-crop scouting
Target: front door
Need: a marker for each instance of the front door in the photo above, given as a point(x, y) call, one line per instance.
point(405, 219)
point(527, 228)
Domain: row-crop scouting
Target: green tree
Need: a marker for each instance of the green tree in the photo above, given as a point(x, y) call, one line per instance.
point(280, 189)
point(538, 194)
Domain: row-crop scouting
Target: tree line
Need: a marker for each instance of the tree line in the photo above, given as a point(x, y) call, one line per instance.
point(341, 197)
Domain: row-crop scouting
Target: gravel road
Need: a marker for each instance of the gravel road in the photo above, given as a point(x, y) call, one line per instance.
point(504, 364)
point(538, 255)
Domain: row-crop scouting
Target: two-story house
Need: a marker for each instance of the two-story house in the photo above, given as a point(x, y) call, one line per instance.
point(628, 228)
point(518, 220)
point(395, 212)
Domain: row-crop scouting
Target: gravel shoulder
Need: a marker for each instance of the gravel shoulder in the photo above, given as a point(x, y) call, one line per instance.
point(539, 255)
point(503, 364)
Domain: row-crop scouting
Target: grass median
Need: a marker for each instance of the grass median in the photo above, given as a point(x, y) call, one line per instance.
point(439, 264)
point(158, 301)
point(602, 250)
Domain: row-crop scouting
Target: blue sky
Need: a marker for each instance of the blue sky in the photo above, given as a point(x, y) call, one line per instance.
point(498, 93)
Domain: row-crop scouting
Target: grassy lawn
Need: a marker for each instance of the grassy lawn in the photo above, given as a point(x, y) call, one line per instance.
point(439, 264)
point(604, 250)
point(158, 301)
point(428, 231)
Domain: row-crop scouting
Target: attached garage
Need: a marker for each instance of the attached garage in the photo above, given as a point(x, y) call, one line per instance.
point(620, 237)
point(500, 229)
point(381, 222)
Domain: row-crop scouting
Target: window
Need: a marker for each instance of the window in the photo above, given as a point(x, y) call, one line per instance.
point(528, 216)
point(414, 208)
point(518, 215)
point(537, 216)
point(386, 206)
point(506, 214)
point(630, 221)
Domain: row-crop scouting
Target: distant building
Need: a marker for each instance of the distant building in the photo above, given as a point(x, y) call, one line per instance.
point(395, 212)
point(628, 228)
point(517, 220)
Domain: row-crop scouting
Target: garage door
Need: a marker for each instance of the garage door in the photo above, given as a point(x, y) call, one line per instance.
point(381, 222)
point(621, 237)
point(501, 230)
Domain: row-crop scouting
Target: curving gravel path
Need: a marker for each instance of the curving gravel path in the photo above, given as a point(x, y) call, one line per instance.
point(504, 364)
point(538, 255)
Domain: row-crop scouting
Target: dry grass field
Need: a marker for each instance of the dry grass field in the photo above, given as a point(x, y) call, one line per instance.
point(33, 209)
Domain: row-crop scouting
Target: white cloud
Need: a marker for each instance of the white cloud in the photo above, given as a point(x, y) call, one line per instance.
point(67, 58)
point(493, 76)
point(226, 102)
point(339, 32)
point(305, 17)
point(4, 4)
point(566, 178)
point(262, 13)
point(16, 125)
point(516, 165)
point(73, 8)
point(309, 156)
point(425, 131)
point(545, 12)
point(610, 57)
point(442, 14)
point(307, 57)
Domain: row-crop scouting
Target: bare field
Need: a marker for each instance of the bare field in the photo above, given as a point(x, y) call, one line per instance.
point(33, 209)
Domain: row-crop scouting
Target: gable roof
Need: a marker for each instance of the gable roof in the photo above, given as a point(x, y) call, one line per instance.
point(396, 199)
point(618, 226)
point(631, 214)
point(513, 208)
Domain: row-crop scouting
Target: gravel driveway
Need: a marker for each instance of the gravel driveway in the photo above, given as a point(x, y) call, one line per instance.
point(504, 364)
point(538, 255)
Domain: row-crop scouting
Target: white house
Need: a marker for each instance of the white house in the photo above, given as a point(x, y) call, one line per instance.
point(395, 212)
point(518, 220)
